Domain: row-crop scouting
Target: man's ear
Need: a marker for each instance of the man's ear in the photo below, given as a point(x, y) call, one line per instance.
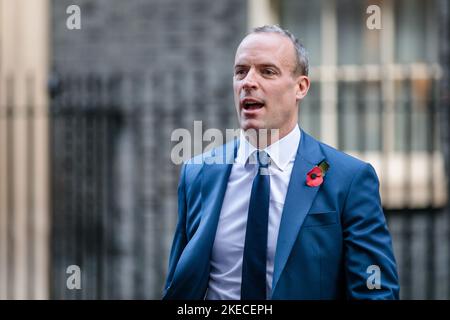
point(302, 85)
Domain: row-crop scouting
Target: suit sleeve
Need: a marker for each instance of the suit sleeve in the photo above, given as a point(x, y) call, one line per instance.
point(180, 239)
point(370, 266)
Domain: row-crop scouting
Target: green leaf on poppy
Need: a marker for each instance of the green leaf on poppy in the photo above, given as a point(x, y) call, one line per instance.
point(324, 167)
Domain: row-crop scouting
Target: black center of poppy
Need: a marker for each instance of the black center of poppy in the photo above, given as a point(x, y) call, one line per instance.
point(313, 176)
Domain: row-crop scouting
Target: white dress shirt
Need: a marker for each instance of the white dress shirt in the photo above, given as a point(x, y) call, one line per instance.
point(228, 248)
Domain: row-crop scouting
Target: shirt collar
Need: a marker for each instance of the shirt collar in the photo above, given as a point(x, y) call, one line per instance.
point(281, 152)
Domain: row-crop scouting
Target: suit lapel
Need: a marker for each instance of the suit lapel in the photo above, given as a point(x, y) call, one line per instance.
point(299, 199)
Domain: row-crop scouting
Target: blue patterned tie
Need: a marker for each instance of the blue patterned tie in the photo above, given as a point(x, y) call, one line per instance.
point(253, 286)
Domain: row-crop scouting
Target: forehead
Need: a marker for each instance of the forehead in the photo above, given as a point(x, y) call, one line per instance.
point(266, 48)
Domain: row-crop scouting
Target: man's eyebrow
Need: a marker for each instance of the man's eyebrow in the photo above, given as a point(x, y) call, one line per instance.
point(240, 66)
point(263, 65)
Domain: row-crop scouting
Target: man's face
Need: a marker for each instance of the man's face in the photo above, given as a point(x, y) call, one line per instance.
point(266, 91)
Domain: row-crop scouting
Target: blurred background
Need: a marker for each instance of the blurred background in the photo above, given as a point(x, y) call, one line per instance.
point(86, 117)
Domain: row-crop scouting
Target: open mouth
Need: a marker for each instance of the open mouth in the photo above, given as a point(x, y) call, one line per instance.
point(248, 104)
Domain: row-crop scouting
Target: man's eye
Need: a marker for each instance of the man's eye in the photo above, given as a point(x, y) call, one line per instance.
point(269, 72)
point(239, 72)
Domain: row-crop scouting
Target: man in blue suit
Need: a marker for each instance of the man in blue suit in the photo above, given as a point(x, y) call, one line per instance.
point(277, 214)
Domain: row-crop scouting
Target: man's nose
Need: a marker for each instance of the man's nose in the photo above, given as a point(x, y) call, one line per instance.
point(249, 82)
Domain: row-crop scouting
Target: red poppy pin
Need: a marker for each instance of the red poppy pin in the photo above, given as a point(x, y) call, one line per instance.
point(314, 177)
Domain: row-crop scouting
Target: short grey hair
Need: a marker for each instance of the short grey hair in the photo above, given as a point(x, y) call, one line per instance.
point(302, 66)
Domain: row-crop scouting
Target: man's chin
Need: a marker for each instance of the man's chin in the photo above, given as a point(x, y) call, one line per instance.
point(252, 125)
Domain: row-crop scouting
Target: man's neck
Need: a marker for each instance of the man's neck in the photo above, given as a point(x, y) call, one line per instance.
point(262, 138)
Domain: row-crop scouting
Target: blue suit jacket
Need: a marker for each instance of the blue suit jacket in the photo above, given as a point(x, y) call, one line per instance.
point(329, 235)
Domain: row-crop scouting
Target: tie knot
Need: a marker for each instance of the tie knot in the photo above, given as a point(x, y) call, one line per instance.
point(263, 159)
